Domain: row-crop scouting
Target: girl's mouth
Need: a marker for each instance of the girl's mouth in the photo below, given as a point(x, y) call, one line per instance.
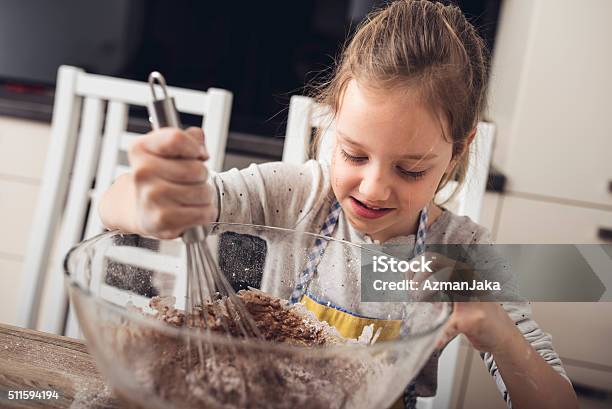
point(368, 212)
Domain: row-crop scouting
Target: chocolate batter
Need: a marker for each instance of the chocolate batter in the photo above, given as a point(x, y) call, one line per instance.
point(235, 375)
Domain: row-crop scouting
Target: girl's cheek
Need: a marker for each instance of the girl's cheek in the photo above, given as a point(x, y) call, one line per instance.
point(335, 179)
point(343, 178)
point(337, 175)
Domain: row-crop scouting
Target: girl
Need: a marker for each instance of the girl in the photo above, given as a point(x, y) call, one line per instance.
point(406, 97)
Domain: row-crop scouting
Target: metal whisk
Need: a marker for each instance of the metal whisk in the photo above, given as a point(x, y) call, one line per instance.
point(207, 286)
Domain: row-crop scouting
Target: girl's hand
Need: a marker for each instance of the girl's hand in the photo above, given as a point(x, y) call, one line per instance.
point(170, 182)
point(485, 324)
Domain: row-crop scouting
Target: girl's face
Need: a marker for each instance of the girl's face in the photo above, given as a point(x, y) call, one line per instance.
point(389, 157)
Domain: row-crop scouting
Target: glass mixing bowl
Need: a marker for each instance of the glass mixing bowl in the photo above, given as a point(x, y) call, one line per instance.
point(112, 277)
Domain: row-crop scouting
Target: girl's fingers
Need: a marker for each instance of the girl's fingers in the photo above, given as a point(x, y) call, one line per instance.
point(171, 221)
point(445, 339)
point(197, 135)
point(147, 167)
point(169, 143)
point(450, 331)
point(184, 195)
point(161, 194)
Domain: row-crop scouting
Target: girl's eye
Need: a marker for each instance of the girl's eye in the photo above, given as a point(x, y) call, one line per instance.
point(410, 174)
point(360, 159)
point(352, 158)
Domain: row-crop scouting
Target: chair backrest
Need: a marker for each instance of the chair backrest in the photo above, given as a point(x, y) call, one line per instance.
point(89, 137)
point(305, 115)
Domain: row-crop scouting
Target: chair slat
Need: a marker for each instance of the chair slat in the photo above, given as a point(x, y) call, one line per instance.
point(299, 129)
point(481, 152)
point(138, 93)
point(304, 115)
point(145, 259)
point(53, 311)
point(123, 297)
point(321, 116)
point(216, 122)
point(116, 121)
point(126, 139)
point(120, 170)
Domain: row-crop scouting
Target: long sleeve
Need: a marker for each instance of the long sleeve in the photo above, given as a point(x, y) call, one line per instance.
point(539, 340)
point(273, 194)
point(492, 265)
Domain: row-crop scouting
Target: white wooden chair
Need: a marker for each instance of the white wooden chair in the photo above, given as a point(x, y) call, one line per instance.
point(88, 155)
point(305, 115)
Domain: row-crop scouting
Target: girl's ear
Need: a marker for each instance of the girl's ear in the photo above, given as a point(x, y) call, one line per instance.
point(455, 159)
point(470, 137)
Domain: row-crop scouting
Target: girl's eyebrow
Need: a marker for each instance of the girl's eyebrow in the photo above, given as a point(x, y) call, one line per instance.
point(419, 156)
point(414, 156)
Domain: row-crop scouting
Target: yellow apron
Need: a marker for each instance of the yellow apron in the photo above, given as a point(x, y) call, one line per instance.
point(351, 326)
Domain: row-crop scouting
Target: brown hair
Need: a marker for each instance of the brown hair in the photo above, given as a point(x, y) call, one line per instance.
point(428, 47)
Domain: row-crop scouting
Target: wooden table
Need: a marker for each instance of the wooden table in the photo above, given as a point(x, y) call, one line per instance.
point(37, 361)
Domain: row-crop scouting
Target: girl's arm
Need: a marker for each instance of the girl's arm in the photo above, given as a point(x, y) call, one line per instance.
point(117, 206)
point(275, 194)
point(531, 382)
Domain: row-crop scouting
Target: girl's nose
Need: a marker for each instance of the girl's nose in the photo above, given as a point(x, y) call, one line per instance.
point(374, 185)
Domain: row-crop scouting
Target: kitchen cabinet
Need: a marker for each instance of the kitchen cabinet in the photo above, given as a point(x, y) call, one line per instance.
point(488, 213)
point(581, 331)
point(10, 272)
point(592, 377)
point(571, 340)
point(526, 220)
point(23, 148)
point(551, 107)
point(17, 203)
point(549, 99)
point(478, 388)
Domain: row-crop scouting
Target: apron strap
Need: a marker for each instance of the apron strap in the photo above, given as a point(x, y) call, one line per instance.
point(316, 254)
point(410, 396)
point(421, 235)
